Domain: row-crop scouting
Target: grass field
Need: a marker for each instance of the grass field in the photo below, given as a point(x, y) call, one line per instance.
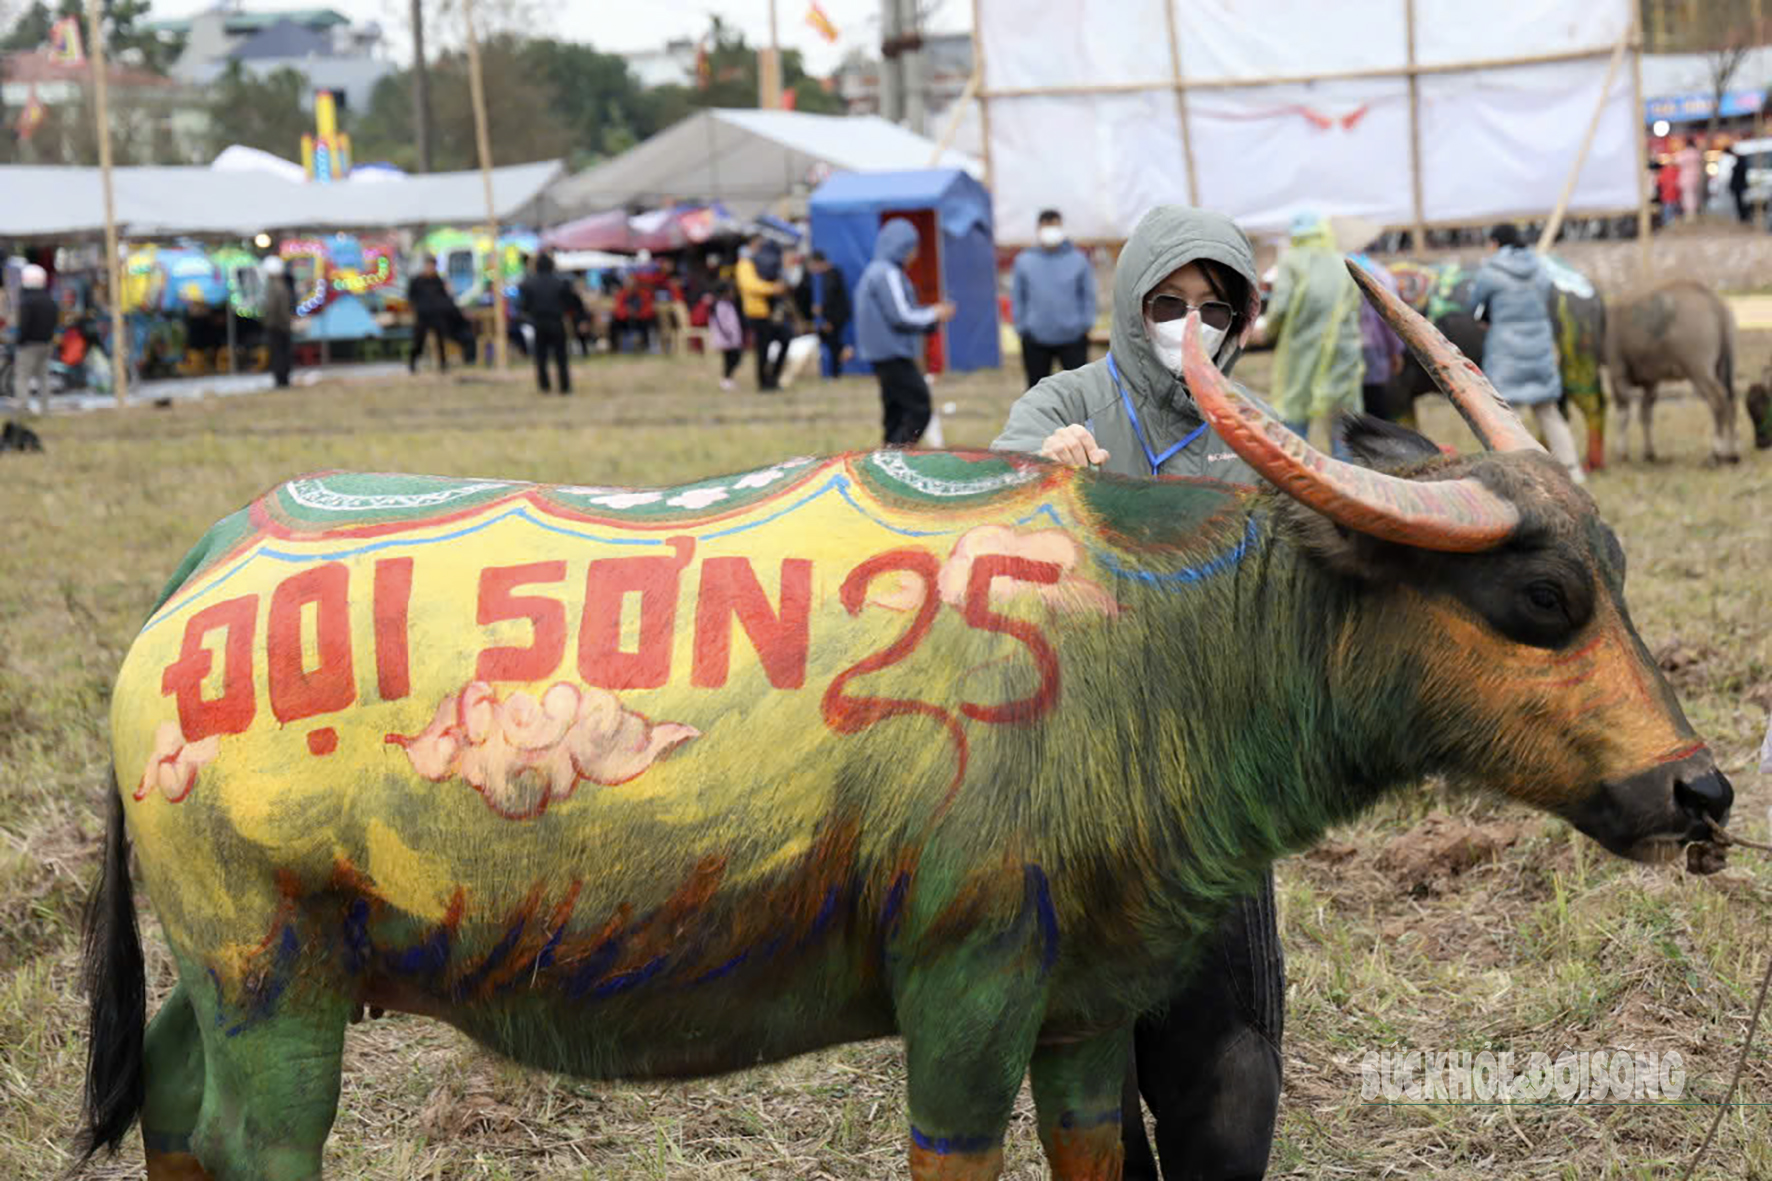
point(1437, 924)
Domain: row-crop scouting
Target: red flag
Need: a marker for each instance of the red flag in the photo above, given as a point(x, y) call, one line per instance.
point(703, 67)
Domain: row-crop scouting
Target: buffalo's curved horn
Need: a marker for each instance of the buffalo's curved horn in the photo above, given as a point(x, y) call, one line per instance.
point(1491, 419)
point(1453, 516)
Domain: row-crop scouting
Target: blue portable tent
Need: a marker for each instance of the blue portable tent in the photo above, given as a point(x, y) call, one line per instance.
point(847, 211)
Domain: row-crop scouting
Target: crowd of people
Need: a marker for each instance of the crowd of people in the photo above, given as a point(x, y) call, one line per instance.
point(785, 306)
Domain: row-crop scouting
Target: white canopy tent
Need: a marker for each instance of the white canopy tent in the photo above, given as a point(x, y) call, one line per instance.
point(43, 202)
point(1403, 112)
point(746, 160)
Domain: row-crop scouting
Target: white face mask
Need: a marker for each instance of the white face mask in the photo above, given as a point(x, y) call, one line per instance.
point(1050, 236)
point(1166, 338)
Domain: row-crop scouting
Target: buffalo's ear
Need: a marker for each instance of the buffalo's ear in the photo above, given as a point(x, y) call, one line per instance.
point(1340, 550)
point(1384, 445)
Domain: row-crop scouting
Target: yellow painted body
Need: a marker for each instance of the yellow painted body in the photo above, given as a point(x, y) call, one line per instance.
point(490, 788)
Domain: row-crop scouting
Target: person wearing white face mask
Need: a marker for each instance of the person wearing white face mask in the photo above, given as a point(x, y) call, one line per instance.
point(1052, 299)
point(1207, 1064)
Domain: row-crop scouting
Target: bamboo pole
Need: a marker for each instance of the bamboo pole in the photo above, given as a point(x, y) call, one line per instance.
point(1420, 230)
point(769, 69)
point(1458, 67)
point(984, 107)
point(952, 127)
point(1180, 83)
point(1587, 142)
point(1636, 98)
point(101, 103)
point(501, 345)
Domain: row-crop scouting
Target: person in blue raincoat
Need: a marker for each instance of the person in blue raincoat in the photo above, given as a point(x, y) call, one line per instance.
point(1512, 292)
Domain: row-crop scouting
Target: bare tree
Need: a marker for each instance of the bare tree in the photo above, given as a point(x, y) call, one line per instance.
point(1723, 32)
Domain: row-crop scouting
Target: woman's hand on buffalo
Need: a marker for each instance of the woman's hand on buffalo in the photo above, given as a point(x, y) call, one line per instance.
point(1073, 445)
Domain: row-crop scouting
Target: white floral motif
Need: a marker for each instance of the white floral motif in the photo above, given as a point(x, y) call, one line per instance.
point(893, 464)
point(760, 479)
point(314, 494)
point(627, 499)
point(698, 497)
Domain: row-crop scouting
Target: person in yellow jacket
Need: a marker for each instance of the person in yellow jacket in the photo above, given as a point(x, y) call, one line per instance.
point(1315, 310)
point(754, 295)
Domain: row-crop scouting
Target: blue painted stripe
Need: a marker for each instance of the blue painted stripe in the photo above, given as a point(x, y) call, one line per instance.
point(1071, 1120)
point(1037, 886)
point(945, 1145)
point(1188, 574)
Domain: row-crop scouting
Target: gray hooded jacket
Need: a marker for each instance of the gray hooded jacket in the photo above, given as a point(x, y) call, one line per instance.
point(1166, 238)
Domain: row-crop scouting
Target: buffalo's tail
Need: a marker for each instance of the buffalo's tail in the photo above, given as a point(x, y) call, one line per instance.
point(116, 989)
point(1726, 355)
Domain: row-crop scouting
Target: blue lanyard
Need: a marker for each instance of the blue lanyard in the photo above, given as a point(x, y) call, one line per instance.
point(1156, 461)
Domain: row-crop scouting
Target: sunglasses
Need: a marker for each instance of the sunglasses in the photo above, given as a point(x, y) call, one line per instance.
point(1213, 313)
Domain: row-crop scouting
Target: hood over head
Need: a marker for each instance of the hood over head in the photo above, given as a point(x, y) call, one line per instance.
point(1166, 239)
point(897, 239)
point(1519, 261)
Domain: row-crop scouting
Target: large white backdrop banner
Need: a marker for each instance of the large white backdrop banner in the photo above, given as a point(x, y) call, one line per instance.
point(1299, 104)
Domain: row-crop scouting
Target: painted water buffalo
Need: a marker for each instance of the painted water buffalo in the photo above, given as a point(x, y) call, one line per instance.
point(1679, 331)
point(1441, 291)
point(663, 783)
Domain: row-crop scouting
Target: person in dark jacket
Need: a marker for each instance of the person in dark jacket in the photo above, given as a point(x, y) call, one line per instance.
point(431, 314)
point(1052, 297)
point(277, 316)
point(543, 297)
point(823, 303)
point(889, 331)
point(1512, 292)
point(37, 320)
point(1208, 1063)
point(1738, 186)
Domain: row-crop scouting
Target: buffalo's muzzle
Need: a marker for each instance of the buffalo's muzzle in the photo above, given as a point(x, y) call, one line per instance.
point(1648, 814)
point(1706, 796)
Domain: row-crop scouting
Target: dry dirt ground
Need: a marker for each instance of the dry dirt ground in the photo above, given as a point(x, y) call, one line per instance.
point(1438, 923)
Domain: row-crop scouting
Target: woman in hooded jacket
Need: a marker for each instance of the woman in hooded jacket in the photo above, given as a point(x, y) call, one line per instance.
point(1208, 1065)
point(1512, 292)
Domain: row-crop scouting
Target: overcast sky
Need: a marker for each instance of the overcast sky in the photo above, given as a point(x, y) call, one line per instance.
point(624, 25)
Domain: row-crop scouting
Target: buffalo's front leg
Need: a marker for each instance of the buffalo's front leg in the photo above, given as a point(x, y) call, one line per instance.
point(1077, 1094)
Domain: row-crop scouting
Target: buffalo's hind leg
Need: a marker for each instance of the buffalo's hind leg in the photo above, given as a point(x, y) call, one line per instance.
point(172, 1074)
point(271, 1058)
point(1077, 1096)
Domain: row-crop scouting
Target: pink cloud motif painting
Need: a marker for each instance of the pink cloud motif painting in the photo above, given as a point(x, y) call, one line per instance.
point(522, 753)
point(174, 764)
point(1072, 593)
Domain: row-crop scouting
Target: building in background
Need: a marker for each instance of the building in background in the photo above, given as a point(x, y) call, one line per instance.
point(151, 115)
point(673, 65)
point(320, 43)
point(947, 65)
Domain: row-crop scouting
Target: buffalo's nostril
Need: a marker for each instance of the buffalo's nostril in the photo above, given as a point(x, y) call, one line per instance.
point(1708, 794)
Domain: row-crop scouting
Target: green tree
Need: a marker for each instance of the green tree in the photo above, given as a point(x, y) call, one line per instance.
point(524, 121)
point(126, 40)
point(595, 96)
point(264, 113)
point(31, 29)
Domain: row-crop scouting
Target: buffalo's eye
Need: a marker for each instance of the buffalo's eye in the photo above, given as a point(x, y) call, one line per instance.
point(1546, 597)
